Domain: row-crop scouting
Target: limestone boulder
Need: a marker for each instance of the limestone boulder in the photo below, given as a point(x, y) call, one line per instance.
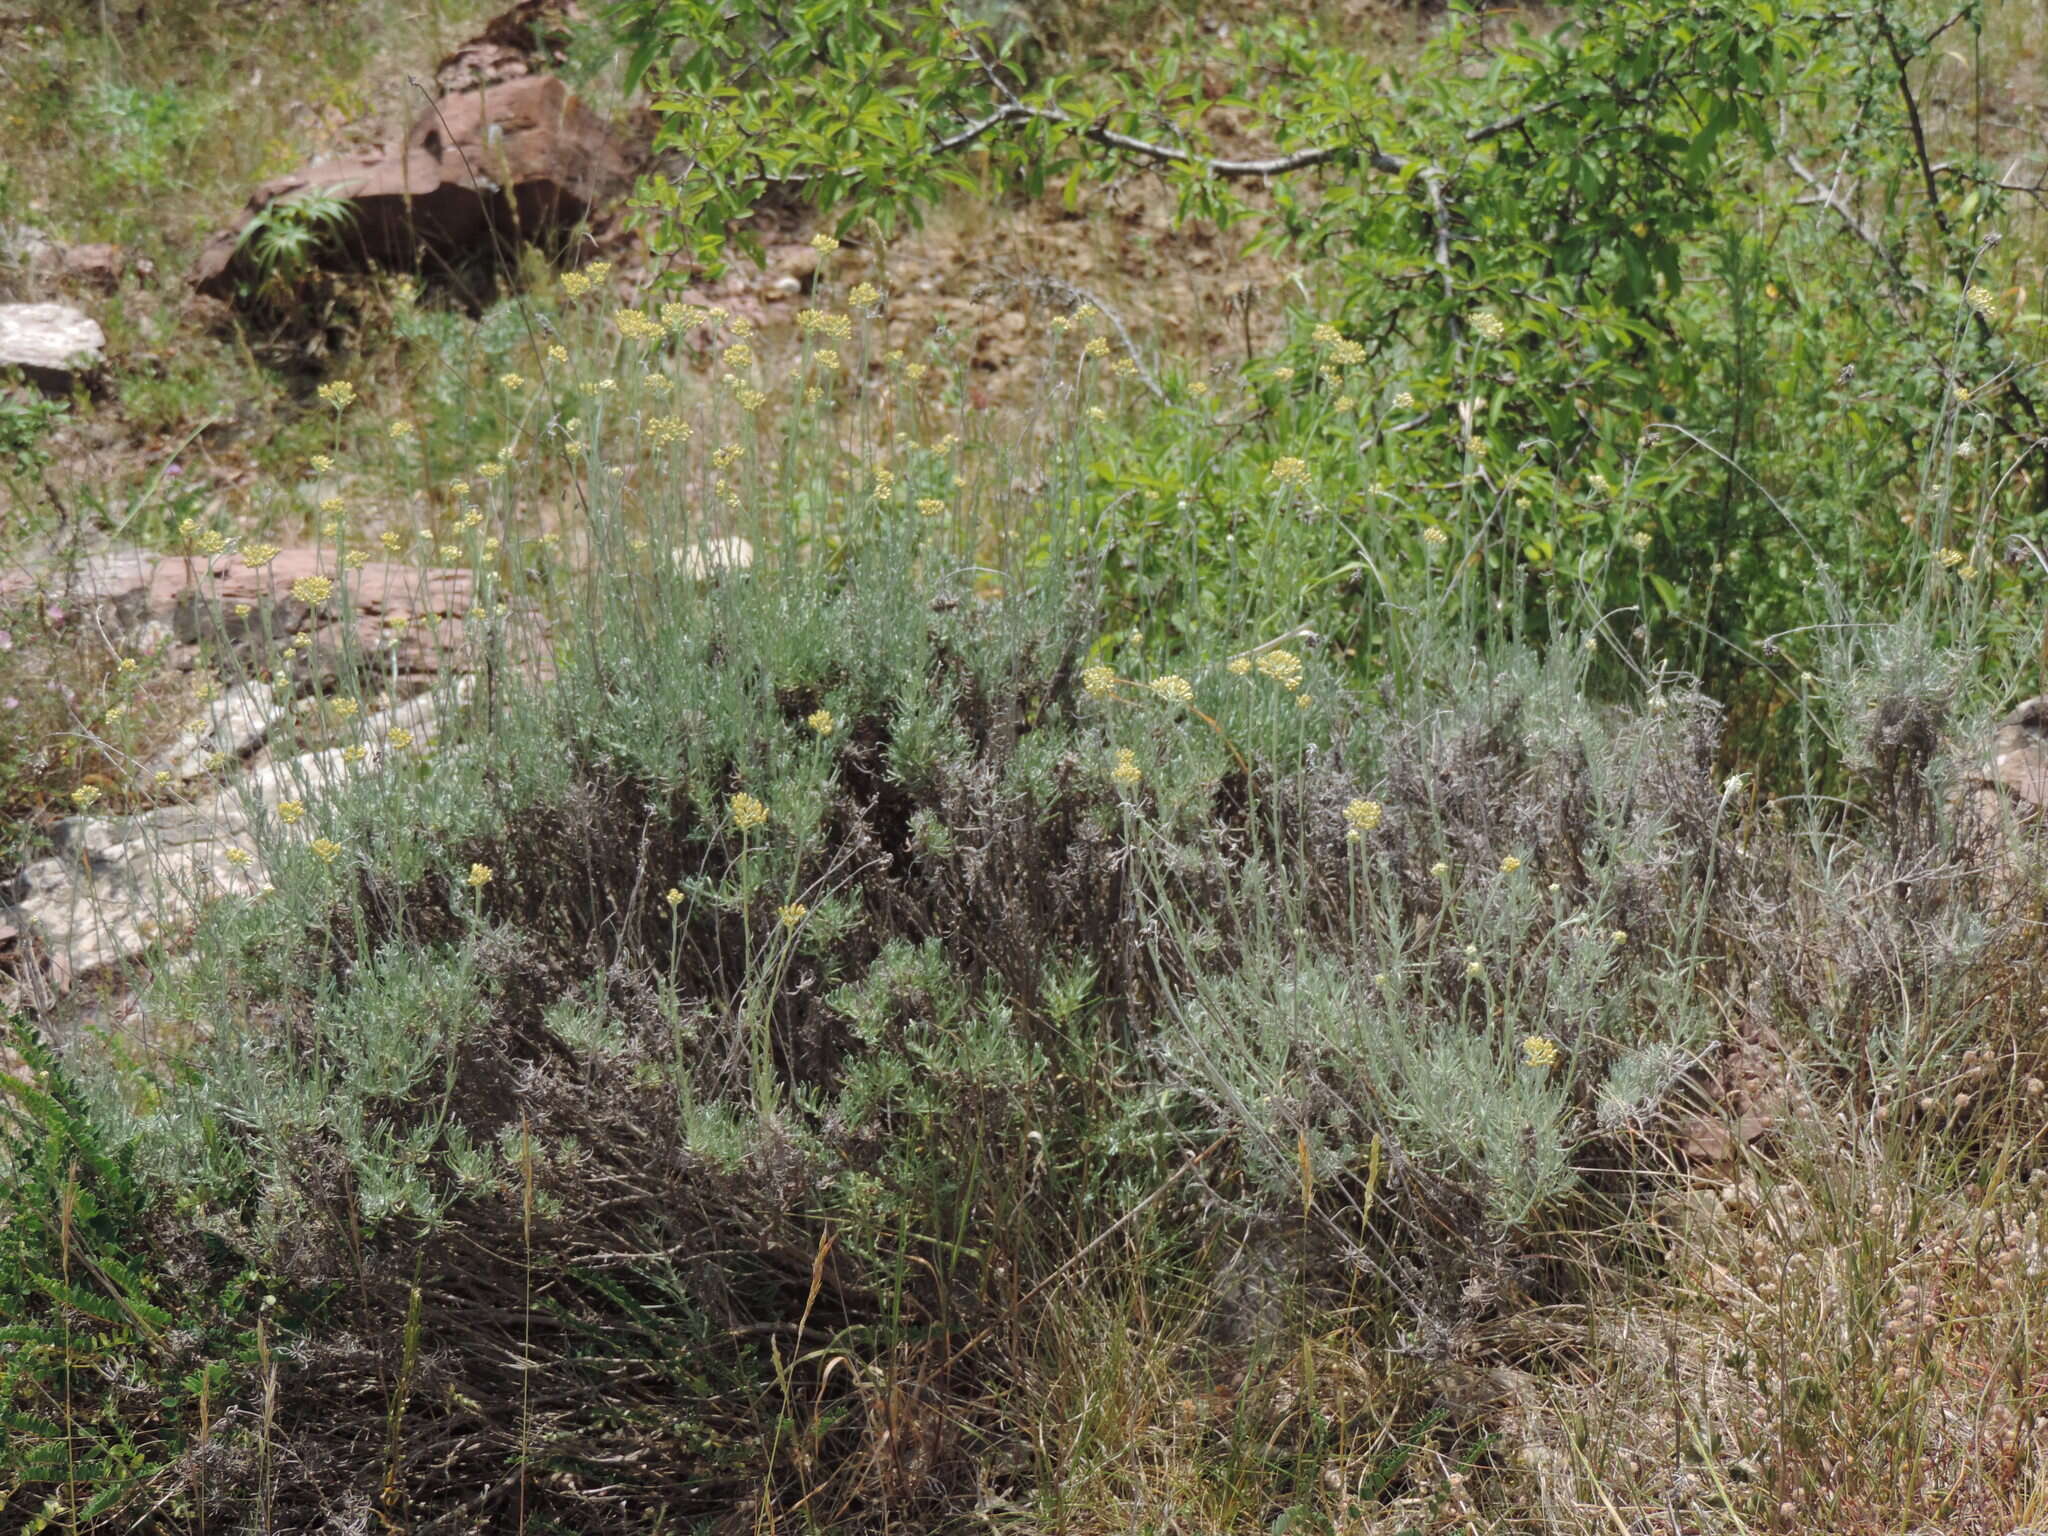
point(117, 886)
point(55, 346)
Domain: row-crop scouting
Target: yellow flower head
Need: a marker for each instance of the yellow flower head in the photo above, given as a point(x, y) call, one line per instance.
point(674, 898)
point(747, 812)
point(1539, 1051)
point(1288, 471)
point(792, 914)
point(1362, 815)
point(398, 738)
point(239, 857)
point(256, 556)
point(821, 721)
point(313, 590)
point(400, 430)
point(930, 506)
point(321, 463)
point(635, 326)
point(1489, 326)
point(86, 796)
point(1510, 864)
point(511, 381)
point(1284, 667)
point(479, 876)
point(864, 296)
point(823, 243)
point(291, 812)
point(1126, 774)
point(1173, 688)
point(340, 394)
point(325, 848)
point(1099, 680)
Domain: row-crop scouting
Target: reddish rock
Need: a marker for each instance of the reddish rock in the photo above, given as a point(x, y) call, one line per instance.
point(533, 32)
point(203, 603)
point(522, 160)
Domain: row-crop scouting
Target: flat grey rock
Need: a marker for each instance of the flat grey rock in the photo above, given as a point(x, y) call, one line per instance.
point(116, 886)
point(53, 344)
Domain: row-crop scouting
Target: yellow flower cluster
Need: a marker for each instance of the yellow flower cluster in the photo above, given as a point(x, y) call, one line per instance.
point(325, 849)
point(291, 812)
point(662, 431)
point(1289, 471)
point(930, 506)
point(1098, 346)
point(479, 876)
point(1489, 325)
point(821, 721)
point(340, 394)
point(823, 243)
point(1539, 1051)
point(685, 317)
point(825, 323)
point(313, 590)
point(1126, 774)
point(1510, 864)
point(1173, 688)
point(1435, 537)
point(256, 556)
point(792, 914)
point(727, 456)
point(86, 796)
point(885, 485)
point(1362, 815)
point(864, 296)
point(747, 812)
point(398, 738)
point(1344, 352)
point(738, 355)
point(576, 284)
point(511, 381)
point(1284, 667)
point(1099, 680)
point(635, 326)
point(1981, 299)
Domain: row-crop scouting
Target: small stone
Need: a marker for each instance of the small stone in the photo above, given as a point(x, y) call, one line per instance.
point(702, 561)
